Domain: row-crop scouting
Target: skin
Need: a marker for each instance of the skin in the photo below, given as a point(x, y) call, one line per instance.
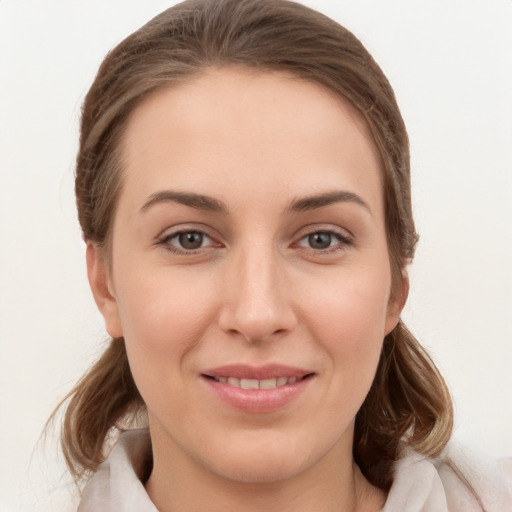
point(256, 291)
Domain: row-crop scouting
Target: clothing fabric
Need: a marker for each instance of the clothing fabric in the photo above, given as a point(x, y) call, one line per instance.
point(420, 484)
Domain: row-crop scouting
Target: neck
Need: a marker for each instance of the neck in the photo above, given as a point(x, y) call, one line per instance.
point(333, 484)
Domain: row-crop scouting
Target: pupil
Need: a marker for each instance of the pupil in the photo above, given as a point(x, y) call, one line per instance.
point(320, 240)
point(191, 240)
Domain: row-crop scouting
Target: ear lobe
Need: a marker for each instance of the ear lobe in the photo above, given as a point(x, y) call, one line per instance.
point(99, 281)
point(397, 302)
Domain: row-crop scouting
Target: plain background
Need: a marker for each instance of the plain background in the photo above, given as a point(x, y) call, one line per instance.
point(450, 62)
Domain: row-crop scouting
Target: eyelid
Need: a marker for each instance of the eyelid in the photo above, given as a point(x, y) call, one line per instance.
point(344, 236)
point(324, 228)
point(332, 234)
point(185, 227)
point(163, 239)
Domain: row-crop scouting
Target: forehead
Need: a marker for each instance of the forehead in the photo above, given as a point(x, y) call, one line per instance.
point(261, 131)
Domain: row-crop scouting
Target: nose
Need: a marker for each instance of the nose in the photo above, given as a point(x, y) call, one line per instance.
point(256, 298)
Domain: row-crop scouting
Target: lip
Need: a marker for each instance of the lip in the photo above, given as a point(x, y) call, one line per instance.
point(269, 371)
point(257, 400)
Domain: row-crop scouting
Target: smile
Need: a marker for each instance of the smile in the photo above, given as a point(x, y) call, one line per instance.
point(257, 384)
point(258, 389)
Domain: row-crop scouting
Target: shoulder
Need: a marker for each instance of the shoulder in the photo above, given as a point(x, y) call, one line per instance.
point(506, 467)
point(460, 480)
point(116, 486)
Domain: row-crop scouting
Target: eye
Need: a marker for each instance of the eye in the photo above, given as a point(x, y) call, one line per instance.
point(185, 241)
point(190, 240)
point(319, 240)
point(324, 241)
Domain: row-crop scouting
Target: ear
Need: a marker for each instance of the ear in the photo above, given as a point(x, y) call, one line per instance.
point(101, 286)
point(397, 302)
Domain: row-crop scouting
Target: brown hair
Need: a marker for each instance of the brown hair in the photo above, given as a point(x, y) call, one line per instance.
point(408, 402)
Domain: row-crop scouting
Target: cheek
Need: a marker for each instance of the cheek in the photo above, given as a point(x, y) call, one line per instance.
point(348, 318)
point(164, 317)
point(162, 308)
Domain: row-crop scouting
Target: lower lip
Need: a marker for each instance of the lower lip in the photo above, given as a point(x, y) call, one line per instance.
point(258, 400)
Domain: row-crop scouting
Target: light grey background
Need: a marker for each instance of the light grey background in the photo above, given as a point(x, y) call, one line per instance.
point(450, 62)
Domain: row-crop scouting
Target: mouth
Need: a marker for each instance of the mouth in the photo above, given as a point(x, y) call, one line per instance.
point(272, 383)
point(258, 389)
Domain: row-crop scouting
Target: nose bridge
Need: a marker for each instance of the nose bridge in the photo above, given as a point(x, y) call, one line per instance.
point(258, 280)
point(257, 305)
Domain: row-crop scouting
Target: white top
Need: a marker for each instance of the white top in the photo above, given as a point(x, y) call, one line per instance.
point(420, 484)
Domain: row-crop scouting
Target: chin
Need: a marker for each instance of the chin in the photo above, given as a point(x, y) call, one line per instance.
point(263, 462)
point(262, 471)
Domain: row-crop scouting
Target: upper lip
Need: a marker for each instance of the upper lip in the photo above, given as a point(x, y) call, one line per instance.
point(269, 371)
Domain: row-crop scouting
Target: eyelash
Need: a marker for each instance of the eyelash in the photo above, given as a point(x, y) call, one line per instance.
point(343, 241)
point(165, 241)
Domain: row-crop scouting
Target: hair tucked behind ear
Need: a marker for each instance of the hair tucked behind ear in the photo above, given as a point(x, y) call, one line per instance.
point(408, 401)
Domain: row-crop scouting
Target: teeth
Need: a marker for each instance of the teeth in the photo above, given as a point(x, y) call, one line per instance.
point(257, 384)
point(281, 381)
point(249, 384)
point(268, 383)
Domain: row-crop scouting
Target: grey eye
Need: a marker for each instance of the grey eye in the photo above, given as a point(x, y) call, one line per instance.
point(191, 240)
point(320, 240)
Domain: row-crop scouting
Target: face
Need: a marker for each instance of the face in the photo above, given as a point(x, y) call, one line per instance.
point(249, 272)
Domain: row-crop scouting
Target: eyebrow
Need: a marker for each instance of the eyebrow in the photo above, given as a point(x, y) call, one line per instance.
point(210, 204)
point(325, 199)
point(198, 201)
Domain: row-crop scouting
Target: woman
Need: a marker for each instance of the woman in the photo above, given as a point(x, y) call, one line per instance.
point(243, 188)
